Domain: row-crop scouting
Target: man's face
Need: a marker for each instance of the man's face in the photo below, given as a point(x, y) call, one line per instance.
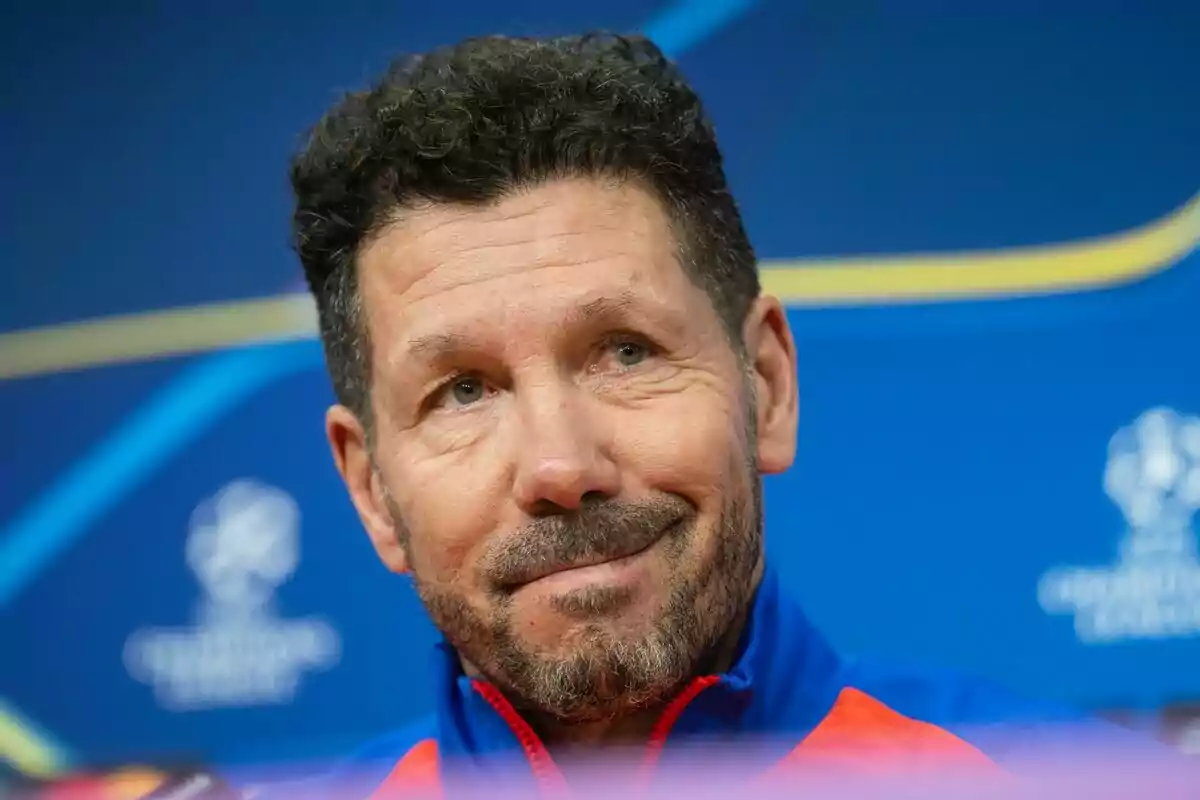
point(566, 447)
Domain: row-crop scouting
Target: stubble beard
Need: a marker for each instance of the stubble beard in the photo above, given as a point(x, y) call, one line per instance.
point(605, 675)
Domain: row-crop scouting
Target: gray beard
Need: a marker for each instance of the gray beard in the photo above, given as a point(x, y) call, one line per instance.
point(607, 676)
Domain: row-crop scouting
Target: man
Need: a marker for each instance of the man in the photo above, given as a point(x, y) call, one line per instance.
point(558, 387)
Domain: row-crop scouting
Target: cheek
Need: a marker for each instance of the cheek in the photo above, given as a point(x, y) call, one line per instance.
point(450, 506)
point(685, 444)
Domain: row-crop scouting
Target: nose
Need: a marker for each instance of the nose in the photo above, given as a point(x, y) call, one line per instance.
point(563, 453)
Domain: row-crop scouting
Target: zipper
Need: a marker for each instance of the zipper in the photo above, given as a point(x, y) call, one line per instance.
point(546, 773)
point(662, 728)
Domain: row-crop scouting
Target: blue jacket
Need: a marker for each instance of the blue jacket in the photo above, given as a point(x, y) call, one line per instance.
point(788, 704)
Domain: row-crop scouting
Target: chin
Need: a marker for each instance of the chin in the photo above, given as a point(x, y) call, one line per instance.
point(586, 617)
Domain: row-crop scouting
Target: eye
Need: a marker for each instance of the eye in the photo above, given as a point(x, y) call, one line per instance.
point(629, 353)
point(463, 391)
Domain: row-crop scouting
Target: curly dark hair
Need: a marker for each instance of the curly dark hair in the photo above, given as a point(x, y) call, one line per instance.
point(472, 122)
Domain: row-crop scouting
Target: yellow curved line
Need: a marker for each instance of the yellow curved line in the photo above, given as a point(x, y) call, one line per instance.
point(868, 280)
point(25, 748)
point(1052, 269)
point(156, 334)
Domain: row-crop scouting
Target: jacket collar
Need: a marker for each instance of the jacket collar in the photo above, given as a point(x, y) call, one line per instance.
point(783, 682)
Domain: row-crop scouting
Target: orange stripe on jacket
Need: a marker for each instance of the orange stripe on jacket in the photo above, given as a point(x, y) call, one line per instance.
point(863, 736)
point(859, 736)
point(415, 775)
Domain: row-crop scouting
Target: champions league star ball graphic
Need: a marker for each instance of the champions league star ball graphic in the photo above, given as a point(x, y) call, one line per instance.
point(1153, 589)
point(244, 543)
point(1153, 476)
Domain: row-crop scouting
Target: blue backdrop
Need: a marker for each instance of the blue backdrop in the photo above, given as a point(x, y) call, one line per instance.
point(181, 573)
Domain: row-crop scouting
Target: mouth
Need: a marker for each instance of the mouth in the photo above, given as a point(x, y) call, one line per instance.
point(553, 569)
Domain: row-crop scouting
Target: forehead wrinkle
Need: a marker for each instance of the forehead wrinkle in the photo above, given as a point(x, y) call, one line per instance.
point(509, 243)
point(539, 227)
point(544, 225)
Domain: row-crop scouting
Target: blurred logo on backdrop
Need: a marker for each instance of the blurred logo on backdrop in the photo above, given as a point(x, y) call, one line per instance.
point(1152, 591)
point(242, 545)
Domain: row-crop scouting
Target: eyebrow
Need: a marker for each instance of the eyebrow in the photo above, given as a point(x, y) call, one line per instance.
point(602, 308)
point(434, 347)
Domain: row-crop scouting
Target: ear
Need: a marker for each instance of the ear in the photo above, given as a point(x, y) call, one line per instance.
point(368, 492)
point(772, 355)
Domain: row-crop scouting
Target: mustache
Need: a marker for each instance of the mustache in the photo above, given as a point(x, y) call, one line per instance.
point(600, 531)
